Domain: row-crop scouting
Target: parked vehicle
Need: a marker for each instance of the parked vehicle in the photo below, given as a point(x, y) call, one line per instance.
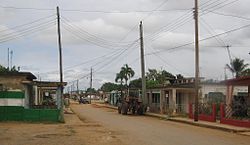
point(130, 104)
point(83, 100)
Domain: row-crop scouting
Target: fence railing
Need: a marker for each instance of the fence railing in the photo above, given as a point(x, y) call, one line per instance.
point(237, 111)
point(206, 111)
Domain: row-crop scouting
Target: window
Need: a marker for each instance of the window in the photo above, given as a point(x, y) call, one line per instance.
point(155, 97)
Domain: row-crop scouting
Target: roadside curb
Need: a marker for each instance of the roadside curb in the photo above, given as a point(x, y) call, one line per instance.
point(226, 129)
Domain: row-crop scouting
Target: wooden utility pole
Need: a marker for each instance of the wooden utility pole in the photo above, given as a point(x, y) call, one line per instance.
point(11, 58)
point(8, 58)
point(197, 78)
point(143, 94)
point(77, 87)
point(60, 63)
point(91, 81)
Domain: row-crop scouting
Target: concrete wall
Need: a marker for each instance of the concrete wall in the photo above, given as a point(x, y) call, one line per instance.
point(12, 83)
point(11, 102)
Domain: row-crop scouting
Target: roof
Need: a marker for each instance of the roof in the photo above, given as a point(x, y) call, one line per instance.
point(241, 81)
point(48, 84)
point(28, 75)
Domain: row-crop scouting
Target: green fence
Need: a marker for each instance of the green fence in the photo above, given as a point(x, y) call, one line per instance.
point(10, 94)
point(16, 113)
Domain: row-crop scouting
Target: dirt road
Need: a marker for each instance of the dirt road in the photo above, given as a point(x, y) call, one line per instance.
point(73, 132)
point(142, 130)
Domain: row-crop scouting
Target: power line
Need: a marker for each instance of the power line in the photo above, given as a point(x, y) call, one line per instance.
point(204, 39)
point(32, 22)
point(27, 32)
point(229, 15)
point(85, 32)
point(92, 11)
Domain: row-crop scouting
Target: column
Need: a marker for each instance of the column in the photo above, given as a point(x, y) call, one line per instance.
point(173, 104)
point(162, 96)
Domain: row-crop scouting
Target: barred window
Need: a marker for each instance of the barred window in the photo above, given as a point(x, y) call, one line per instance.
point(155, 97)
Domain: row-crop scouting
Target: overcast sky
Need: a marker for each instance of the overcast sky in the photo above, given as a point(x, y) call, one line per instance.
point(103, 34)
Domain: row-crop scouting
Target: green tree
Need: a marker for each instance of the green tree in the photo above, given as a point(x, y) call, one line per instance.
point(6, 70)
point(3, 69)
point(108, 87)
point(159, 77)
point(127, 73)
point(238, 67)
point(136, 83)
point(179, 76)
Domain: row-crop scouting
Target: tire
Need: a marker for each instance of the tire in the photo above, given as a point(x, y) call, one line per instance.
point(119, 110)
point(140, 111)
point(124, 109)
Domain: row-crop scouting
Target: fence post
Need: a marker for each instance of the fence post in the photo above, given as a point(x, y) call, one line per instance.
point(214, 112)
point(190, 110)
point(222, 111)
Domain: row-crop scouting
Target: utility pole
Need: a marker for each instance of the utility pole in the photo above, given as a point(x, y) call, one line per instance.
point(143, 94)
point(60, 63)
point(77, 87)
point(230, 57)
point(91, 83)
point(197, 79)
point(8, 58)
point(11, 57)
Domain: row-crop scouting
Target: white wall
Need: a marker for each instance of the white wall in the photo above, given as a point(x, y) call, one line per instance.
point(11, 102)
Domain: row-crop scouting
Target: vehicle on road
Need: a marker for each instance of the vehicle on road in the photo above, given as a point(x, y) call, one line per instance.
point(131, 103)
point(83, 100)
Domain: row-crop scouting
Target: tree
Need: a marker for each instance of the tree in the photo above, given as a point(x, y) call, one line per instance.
point(136, 83)
point(159, 77)
point(108, 87)
point(179, 76)
point(127, 73)
point(152, 74)
point(119, 78)
point(237, 66)
point(6, 70)
point(91, 90)
point(3, 69)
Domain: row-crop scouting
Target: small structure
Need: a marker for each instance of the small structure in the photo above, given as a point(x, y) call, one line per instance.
point(16, 89)
point(47, 94)
point(20, 97)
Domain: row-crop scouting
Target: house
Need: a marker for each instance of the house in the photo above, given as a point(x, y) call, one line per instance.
point(21, 98)
point(16, 89)
point(175, 98)
point(237, 97)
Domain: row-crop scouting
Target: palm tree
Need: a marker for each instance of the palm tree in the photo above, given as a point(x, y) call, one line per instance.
point(119, 78)
point(127, 73)
point(237, 66)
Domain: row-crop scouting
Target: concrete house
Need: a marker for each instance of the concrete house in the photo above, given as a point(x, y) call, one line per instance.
point(21, 98)
point(20, 85)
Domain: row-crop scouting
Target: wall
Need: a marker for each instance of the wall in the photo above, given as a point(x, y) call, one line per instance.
point(18, 113)
point(12, 98)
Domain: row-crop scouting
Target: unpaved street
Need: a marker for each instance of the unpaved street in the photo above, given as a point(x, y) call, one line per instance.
point(73, 132)
point(142, 130)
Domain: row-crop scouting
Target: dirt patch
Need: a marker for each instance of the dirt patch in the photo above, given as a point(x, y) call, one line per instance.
point(74, 131)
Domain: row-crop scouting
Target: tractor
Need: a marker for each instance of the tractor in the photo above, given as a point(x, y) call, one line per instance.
point(130, 104)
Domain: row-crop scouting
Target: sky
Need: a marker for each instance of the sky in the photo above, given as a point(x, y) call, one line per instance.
point(104, 35)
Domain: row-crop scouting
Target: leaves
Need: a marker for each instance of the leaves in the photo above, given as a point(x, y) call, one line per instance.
point(237, 66)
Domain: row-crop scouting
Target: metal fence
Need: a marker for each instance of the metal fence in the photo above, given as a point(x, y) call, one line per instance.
point(237, 111)
point(178, 109)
